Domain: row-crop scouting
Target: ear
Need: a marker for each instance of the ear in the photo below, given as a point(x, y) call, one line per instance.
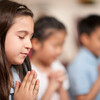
point(84, 38)
point(36, 44)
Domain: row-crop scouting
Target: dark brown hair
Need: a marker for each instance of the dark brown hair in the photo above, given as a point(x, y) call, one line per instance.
point(44, 23)
point(9, 10)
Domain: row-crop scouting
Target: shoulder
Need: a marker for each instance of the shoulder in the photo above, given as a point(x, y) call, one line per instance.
point(80, 62)
point(15, 76)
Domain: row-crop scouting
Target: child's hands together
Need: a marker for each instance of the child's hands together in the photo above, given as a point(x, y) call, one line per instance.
point(56, 79)
point(28, 89)
point(59, 75)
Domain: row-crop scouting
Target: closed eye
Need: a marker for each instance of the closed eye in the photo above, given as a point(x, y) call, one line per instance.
point(21, 37)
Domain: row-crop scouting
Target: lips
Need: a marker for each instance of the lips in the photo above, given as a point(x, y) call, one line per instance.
point(24, 54)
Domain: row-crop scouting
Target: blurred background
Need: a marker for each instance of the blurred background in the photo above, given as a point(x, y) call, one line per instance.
point(69, 12)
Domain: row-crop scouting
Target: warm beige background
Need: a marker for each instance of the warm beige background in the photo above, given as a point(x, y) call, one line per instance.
point(67, 11)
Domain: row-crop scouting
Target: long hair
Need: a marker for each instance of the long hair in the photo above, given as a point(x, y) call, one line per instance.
point(9, 10)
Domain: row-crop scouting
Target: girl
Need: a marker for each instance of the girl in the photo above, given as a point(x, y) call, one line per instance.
point(16, 29)
point(47, 42)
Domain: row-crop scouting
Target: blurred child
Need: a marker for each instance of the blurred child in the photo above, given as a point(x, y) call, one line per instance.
point(84, 73)
point(47, 42)
point(16, 30)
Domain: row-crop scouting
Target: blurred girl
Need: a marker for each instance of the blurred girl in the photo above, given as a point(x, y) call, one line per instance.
point(47, 42)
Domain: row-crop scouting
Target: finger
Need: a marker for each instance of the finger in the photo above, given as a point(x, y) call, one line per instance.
point(33, 82)
point(17, 86)
point(61, 79)
point(50, 75)
point(36, 88)
point(29, 80)
point(25, 79)
point(55, 74)
point(59, 74)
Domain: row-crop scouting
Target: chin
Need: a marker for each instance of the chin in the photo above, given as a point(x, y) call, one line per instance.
point(53, 60)
point(50, 62)
point(19, 62)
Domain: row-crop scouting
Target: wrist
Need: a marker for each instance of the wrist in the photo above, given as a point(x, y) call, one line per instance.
point(60, 89)
point(51, 89)
point(98, 77)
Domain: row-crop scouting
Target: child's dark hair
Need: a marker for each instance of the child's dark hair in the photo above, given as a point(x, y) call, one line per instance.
point(9, 10)
point(88, 25)
point(45, 23)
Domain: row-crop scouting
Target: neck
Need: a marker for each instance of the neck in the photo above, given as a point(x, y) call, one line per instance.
point(92, 52)
point(44, 67)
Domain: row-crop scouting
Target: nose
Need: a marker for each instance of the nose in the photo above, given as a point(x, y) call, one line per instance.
point(28, 44)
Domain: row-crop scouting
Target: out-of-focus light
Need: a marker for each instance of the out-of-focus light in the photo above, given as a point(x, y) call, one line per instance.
point(87, 1)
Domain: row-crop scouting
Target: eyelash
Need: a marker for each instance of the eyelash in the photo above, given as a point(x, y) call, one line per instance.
point(21, 37)
point(24, 37)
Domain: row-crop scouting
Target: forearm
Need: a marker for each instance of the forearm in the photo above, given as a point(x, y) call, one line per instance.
point(63, 94)
point(93, 92)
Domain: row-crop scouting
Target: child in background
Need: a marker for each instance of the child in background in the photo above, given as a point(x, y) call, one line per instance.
point(47, 42)
point(16, 30)
point(84, 72)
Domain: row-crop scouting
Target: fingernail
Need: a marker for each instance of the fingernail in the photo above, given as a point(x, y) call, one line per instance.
point(32, 70)
point(16, 82)
point(28, 72)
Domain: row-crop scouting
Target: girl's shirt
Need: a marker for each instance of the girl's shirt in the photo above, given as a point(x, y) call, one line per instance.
point(44, 81)
point(15, 78)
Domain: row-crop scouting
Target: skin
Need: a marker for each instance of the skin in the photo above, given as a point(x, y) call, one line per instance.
point(56, 79)
point(17, 46)
point(17, 42)
point(28, 89)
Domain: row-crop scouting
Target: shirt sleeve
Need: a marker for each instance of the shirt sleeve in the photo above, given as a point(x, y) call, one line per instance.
point(79, 80)
point(11, 96)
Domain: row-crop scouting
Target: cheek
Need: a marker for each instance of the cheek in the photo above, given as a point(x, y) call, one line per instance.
point(95, 43)
point(12, 45)
point(50, 50)
point(95, 46)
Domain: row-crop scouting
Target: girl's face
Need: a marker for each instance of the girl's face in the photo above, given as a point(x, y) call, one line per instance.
point(52, 47)
point(18, 40)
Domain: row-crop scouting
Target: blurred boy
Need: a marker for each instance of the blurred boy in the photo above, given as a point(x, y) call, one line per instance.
point(84, 71)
